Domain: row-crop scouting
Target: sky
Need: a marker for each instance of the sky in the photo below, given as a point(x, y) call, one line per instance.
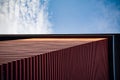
point(85, 16)
point(59, 16)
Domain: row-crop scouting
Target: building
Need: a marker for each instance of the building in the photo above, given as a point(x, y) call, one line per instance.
point(58, 58)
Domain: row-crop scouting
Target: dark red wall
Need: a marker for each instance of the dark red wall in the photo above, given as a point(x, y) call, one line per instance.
point(82, 62)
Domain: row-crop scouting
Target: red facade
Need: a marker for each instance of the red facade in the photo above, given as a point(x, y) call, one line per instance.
point(88, 61)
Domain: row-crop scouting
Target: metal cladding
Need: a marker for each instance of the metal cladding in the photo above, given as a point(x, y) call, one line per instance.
point(54, 59)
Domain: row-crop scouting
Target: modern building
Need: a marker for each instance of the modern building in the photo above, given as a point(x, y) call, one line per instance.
point(59, 57)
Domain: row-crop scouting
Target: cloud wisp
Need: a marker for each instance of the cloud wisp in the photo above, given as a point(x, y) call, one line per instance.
point(24, 17)
point(104, 18)
point(109, 20)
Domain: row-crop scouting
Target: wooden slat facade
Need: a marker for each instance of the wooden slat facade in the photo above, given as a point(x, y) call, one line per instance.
point(54, 59)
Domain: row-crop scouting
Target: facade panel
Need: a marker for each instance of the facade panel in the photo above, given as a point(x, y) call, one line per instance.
point(85, 59)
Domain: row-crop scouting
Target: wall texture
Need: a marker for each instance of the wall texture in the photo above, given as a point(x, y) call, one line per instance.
point(87, 61)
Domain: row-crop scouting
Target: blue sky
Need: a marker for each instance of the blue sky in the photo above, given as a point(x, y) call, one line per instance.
point(84, 16)
point(59, 16)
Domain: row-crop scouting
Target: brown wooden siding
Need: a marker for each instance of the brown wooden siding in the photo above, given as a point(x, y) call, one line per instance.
point(87, 61)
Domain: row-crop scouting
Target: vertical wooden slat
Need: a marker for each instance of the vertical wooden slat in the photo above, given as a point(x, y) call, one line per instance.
point(16, 71)
point(7, 73)
point(48, 66)
point(52, 67)
point(56, 70)
point(4, 71)
point(45, 61)
point(11, 70)
point(50, 61)
point(31, 68)
point(55, 67)
point(0, 72)
point(19, 69)
point(40, 67)
point(62, 66)
point(36, 68)
point(24, 69)
point(28, 69)
point(47, 71)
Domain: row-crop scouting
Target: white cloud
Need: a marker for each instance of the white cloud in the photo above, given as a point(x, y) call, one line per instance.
point(24, 17)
